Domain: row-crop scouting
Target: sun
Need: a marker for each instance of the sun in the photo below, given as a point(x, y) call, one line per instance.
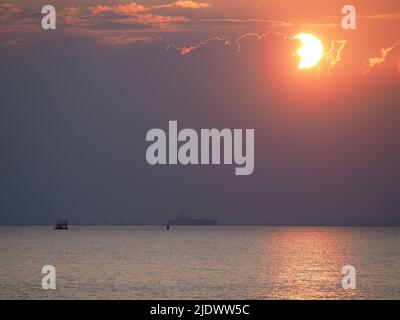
point(311, 51)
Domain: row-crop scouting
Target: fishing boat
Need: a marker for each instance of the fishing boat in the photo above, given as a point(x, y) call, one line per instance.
point(61, 225)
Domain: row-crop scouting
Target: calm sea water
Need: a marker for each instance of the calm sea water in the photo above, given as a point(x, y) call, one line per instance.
point(199, 262)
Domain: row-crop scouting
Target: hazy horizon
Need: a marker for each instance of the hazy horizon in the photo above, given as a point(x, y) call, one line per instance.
point(364, 223)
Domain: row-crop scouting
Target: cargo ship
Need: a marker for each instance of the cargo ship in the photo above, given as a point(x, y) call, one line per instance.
point(183, 220)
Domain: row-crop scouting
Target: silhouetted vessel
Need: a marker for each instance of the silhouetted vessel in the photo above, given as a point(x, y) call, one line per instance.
point(61, 225)
point(183, 220)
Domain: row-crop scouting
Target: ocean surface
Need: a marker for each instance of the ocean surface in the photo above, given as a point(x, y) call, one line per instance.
point(199, 262)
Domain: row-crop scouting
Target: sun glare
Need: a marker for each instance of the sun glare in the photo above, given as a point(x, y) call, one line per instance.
point(311, 51)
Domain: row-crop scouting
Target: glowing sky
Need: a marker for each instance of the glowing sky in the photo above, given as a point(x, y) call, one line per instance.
point(189, 23)
point(76, 104)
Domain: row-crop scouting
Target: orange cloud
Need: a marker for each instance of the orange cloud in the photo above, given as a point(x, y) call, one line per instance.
point(130, 8)
point(125, 14)
point(124, 39)
point(186, 50)
point(186, 4)
point(9, 8)
point(132, 14)
point(391, 15)
point(243, 22)
point(373, 62)
point(259, 37)
point(334, 55)
point(126, 9)
point(189, 49)
point(136, 8)
point(13, 20)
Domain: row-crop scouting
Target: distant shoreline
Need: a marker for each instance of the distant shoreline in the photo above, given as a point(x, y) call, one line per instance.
point(360, 225)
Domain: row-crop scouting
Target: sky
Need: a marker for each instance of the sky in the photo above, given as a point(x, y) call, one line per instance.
point(77, 102)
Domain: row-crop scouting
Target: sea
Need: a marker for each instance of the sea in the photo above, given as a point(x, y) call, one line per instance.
point(199, 262)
